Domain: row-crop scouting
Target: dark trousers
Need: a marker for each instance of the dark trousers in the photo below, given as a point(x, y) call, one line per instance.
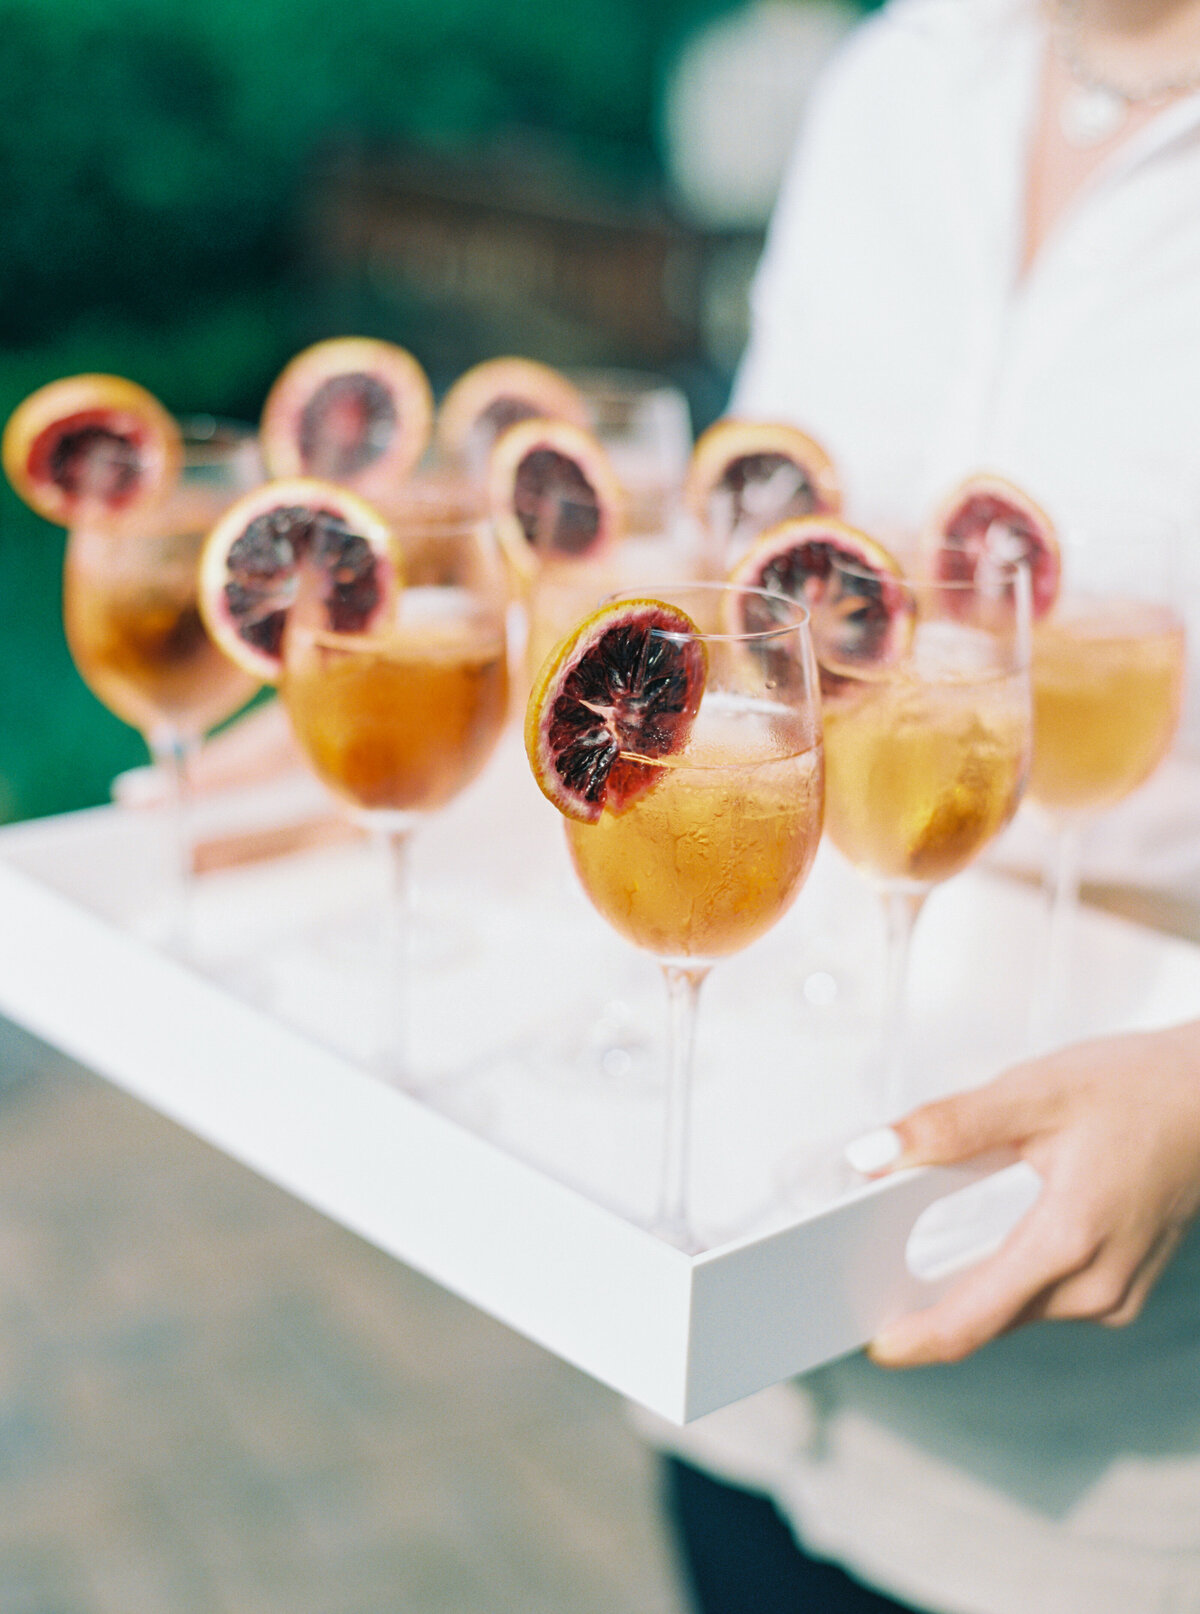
point(739, 1557)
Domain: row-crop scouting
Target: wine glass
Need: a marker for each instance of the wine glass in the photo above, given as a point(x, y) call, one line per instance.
point(927, 747)
point(645, 425)
point(711, 855)
point(1109, 667)
point(134, 629)
point(563, 591)
point(398, 721)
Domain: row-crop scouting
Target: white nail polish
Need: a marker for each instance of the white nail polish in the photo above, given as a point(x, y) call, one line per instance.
point(874, 1151)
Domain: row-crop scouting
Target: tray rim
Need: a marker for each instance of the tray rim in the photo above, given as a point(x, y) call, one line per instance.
point(665, 1328)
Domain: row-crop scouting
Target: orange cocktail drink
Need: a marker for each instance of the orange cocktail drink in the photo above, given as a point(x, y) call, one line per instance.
point(130, 600)
point(678, 731)
point(926, 766)
point(928, 734)
point(399, 718)
point(137, 492)
point(386, 635)
point(403, 720)
point(134, 630)
point(132, 620)
point(710, 858)
point(1109, 667)
point(1108, 680)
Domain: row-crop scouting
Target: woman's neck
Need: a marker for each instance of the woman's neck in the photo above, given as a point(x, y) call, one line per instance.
point(1148, 51)
point(1131, 16)
point(1131, 41)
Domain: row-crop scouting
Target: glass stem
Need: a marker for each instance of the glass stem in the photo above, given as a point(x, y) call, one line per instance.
point(901, 906)
point(683, 984)
point(395, 936)
point(1049, 1003)
point(172, 754)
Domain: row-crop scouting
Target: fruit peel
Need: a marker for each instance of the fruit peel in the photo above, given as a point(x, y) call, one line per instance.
point(512, 389)
point(988, 516)
point(117, 410)
point(615, 696)
point(245, 605)
point(732, 442)
point(370, 373)
point(538, 470)
point(871, 625)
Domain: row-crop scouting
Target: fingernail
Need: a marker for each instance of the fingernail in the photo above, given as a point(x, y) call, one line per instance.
point(887, 1349)
point(874, 1151)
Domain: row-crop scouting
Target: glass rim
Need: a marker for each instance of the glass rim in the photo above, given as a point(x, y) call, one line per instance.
point(668, 597)
point(997, 567)
point(201, 428)
point(430, 525)
point(430, 504)
point(622, 381)
point(215, 440)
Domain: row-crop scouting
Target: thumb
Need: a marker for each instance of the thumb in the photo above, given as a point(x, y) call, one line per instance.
point(985, 1120)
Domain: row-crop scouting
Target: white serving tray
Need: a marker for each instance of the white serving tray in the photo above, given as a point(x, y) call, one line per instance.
point(522, 1176)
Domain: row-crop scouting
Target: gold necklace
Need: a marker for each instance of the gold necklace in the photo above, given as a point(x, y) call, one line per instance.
point(1095, 108)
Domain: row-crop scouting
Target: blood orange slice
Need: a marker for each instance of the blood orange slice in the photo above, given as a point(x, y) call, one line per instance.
point(860, 615)
point(351, 410)
point(91, 447)
point(988, 517)
point(252, 559)
point(553, 494)
point(616, 694)
point(496, 394)
point(746, 475)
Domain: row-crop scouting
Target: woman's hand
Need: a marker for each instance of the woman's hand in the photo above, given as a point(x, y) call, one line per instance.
point(1112, 1127)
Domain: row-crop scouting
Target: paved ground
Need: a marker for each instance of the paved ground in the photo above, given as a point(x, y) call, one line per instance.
point(214, 1401)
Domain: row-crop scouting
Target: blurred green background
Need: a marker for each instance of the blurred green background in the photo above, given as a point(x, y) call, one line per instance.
point(170, 175)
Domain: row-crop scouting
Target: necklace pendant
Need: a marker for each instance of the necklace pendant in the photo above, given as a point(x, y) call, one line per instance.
point(1091, 114)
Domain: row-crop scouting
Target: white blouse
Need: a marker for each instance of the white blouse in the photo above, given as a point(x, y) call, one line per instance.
point(891, 317)
point(1058, 1470)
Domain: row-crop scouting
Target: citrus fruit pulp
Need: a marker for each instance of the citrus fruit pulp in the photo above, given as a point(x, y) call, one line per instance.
point(861, 615)
point(252, 560)
point(92, 447)
point(746, 475)
point(989, 519)
point(353, 410)
point(553, 494)
point(615, 696)
point(490, 397)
